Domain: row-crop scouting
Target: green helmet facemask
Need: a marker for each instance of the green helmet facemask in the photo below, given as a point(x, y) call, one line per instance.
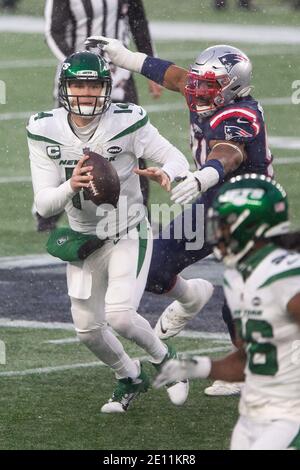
point(85, 68)
point(246, 209)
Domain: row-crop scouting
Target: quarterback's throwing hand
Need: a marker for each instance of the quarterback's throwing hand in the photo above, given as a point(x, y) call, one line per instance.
point(155, 174)
point(80, 179)
point(187, 190)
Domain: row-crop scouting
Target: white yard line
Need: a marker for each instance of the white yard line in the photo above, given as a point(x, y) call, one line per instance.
point(16, 115)
point(15, 179)
point(282, 142)
point(62, 368)
point(280, 101)
point(286, 160)
point(29, 261)
point(62, 341)
point(255, 34)
point(164, 30)
point(190, 334)
point(27, 63)
point(8, 323)
point(39, 325)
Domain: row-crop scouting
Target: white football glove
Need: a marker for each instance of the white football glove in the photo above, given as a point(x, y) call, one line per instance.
point(117, 53)
point(187, 190)
point(182, 369)
point(194, 184)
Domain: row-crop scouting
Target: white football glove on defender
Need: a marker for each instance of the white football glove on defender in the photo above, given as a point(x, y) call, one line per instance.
point(194, 184)
point(183, 369)
point(117, 53)
point(187, 190)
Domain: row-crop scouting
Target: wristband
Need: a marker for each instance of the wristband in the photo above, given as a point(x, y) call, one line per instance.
point(211, 174)
point(154, 69)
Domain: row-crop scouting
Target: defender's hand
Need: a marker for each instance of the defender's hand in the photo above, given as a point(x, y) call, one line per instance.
point(79, 178)
point(112, 47)
point(118, 54)
point(187, 190)
point(155, 174)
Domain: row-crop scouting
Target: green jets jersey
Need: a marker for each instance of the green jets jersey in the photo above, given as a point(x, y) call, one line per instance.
point(257, 294)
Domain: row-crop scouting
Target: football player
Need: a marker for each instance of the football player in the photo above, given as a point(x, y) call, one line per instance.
point(228, 137)
point(107, 286)
point(248, 225)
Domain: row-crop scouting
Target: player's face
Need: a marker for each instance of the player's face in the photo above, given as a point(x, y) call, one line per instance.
point(86, 91)
point(201, 92)
point(86, 97)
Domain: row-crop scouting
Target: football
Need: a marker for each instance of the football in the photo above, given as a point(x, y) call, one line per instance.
point(105, 186)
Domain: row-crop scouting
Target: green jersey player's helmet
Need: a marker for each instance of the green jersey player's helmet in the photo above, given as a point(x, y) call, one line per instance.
point(85, 67)
point(246, 209)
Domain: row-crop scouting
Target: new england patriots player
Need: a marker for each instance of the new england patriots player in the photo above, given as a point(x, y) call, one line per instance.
point(228, 137)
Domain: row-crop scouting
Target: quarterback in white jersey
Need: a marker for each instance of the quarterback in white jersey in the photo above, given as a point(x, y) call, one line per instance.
point(106, 284)
point(250, 229)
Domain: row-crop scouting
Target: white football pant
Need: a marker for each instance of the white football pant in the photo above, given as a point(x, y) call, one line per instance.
point(269, 435)
point(107, 288)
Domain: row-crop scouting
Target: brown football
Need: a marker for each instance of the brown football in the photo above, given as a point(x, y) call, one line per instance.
point(105, 186)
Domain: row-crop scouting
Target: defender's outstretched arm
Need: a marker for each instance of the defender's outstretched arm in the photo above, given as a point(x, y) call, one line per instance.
point(160, 71)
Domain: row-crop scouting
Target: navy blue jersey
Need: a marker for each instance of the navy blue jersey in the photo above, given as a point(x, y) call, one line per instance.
point(241, 121)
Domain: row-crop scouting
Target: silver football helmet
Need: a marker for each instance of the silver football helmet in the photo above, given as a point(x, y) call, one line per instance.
point(219, 75)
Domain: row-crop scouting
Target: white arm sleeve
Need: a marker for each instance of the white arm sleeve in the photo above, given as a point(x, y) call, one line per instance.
point(159, 150)
point(50, 196)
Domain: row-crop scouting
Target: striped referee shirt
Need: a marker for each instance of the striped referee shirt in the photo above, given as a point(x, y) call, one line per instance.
point(70, 22)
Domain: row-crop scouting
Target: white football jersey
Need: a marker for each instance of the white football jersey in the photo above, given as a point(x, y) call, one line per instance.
point(124, 134)
point(257, 294)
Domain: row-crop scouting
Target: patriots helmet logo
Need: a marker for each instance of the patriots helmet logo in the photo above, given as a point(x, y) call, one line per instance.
point(230, 60)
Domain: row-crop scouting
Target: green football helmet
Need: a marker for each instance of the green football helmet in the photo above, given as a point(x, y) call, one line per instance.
point(85, 66)
point(246, 209)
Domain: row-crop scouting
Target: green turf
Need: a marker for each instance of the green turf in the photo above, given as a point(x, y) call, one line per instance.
point(60, 410)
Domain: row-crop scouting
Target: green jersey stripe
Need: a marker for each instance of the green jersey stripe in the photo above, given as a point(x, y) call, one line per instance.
point(42, 138)
point(131, 129)
point(143, 242)
point(277, 277)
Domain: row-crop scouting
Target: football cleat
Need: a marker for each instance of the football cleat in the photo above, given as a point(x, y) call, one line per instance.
point(223, 389)
point(177, 314)
point(177, 391)
point(126, 391)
